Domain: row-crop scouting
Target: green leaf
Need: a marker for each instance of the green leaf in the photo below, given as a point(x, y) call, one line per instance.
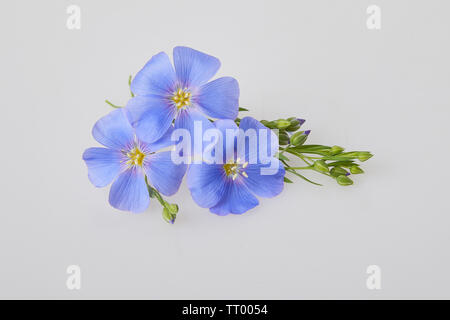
point(282, 157)
point(287, 180)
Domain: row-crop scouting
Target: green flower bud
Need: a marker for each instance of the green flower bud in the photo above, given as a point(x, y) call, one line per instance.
point(320, 166)
point(338, 171)
point(336, 150)
point(364, 155)
point(349, 155)
point(173, 208)
point(295, 124)
point(293, 128)
point(282, 124)
point(169, 217)
point(269, 124)
point(356, 169)
point(283, 138)
point(344, 180)
point(299, 138)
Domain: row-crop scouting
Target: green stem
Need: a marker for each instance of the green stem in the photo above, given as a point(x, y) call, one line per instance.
point(129, 85)
point(302, 176)
point(303, 157)
point(112, 105)
point(153, 192)
point(302, 168)
point(283, 150)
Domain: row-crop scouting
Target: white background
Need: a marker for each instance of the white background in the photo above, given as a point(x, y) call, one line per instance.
point(386, 91)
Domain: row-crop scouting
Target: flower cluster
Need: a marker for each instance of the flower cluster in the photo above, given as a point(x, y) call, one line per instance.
point(166, 130)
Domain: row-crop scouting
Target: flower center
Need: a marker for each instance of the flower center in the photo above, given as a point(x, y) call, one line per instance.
point(181, 98)
point(136, 157)
point(233, 169)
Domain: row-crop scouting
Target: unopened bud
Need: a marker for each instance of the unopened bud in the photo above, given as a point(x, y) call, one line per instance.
point(338, 171)
point(320, 166)
point(282, 124)
point(344, 180)
point(283, 138)
point(336, 150)
point(356, 169)
point(295, 124)
point(269, 124)
point(169, 217)
point(173, 208)
point(364, 155)
point(299, 138)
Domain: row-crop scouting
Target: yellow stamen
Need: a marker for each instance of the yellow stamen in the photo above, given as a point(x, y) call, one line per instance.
point(181, 98)
point(233, 169)
point(136, 157)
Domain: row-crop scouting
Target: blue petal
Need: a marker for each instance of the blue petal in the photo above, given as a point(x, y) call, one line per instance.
point(129, 192)
point(163, 173)
point(189, 119)
point(229, 145)
point(237, 199)
point(269, 140)
point(194, 68)
point(163, 142)
point(151, 117)
point(266, 186)
point(157, 77)
point(206, 182)
point(220, 98)
point(103, 165)
point(113, 130)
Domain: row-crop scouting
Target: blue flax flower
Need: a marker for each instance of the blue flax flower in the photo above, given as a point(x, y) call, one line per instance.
point(126, 160)
point(184, 93)
point(231, 186)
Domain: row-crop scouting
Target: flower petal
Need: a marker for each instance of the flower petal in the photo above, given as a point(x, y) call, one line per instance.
point(194, 68)
point(103, 165)
point(157, 77)
point(196, 124)
point(219, 98)
point(229, 131)
point(163, 142)
point(264, 147)
point(163, 173)
point(237, 199)
point(206, 182)
point(129, 192)
point(265, 185)
point(151, 117)
point(113, 130)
